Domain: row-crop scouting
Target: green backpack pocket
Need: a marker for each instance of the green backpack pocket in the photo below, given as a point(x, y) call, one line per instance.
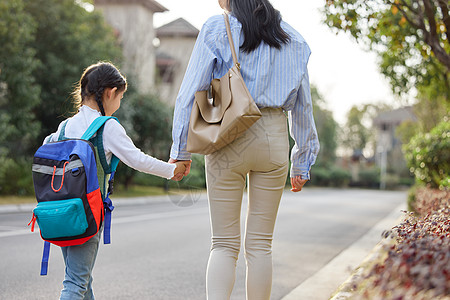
point(61, 218)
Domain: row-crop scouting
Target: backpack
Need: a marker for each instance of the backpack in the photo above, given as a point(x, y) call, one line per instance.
point(70, 179)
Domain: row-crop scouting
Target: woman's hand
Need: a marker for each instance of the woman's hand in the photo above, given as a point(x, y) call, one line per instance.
point(297, 183)
point(187, 164)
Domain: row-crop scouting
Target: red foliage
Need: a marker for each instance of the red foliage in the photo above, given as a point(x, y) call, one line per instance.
point(431, 200)
point(417, 265)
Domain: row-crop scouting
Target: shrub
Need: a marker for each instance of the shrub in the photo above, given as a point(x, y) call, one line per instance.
point(330, 176)
point(428, 156)
point(15, 177)
point(411, 200)
point(416, 263)
point(339, 177)
point(320, 176)
point(429, 201)
point(369, 177)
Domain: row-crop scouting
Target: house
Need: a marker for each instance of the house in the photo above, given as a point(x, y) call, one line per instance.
point(157, 69)
point(389, 156)
point(176, 42)
point(387, 122)
point(133, 22)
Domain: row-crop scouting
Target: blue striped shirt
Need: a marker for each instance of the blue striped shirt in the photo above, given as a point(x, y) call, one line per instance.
point(275, 78)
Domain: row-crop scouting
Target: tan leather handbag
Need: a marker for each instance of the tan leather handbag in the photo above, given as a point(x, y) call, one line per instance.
point(216, 122)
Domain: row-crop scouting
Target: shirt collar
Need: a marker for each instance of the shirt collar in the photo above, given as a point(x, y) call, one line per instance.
point(89, 109)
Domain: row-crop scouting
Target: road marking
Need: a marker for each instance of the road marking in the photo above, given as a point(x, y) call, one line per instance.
point(148, 217)
point(15, 233)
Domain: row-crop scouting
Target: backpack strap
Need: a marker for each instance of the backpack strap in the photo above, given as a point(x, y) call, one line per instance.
point(107, 203)
point(97, 127)
point(107, 169)
point(45, 255)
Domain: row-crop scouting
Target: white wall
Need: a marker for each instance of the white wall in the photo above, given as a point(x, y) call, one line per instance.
point(179, 48)
point(135, 24)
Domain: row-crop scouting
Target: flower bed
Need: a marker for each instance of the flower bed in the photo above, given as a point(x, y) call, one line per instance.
point(414, 262)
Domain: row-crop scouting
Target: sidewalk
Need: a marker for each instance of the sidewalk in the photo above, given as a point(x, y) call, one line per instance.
point(327, 280)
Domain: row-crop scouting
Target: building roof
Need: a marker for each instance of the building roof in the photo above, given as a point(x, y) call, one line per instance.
point(178, 27)
point(150, 4)
point(395, 116)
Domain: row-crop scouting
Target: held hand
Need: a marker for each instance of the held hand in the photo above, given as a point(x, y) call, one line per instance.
point(183, 168)
point(297, 183)
point(179, 171)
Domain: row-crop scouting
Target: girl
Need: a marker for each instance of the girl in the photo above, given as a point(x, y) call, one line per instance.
point(99, 93)
point(273, 58)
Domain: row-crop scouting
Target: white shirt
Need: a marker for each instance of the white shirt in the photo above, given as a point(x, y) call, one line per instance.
point(115, 141)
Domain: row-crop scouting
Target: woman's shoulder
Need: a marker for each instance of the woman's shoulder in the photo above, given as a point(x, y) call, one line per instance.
point(216, 23)
point(293, 33)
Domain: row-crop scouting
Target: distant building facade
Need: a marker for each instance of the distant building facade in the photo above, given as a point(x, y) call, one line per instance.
point(176, 42)
point(389, 156)
point(156, 70)
point(133, 22)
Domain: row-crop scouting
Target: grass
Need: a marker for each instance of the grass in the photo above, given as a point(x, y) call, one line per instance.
point(12, 200)
point(119, 192)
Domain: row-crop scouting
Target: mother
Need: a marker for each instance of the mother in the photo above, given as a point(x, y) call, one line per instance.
point(273, 59)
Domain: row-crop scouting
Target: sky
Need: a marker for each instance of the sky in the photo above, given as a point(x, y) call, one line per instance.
point(343, 72)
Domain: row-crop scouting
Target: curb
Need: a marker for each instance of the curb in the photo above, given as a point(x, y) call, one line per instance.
point(328, 280)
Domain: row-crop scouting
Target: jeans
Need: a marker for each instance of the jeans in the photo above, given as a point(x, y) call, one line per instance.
point(262, 156)
point(79, 262)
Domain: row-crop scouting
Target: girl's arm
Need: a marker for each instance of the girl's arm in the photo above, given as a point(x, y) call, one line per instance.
point(117, 142)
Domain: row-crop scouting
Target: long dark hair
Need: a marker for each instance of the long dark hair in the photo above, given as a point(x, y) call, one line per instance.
point(95, 79)
point(260, 22)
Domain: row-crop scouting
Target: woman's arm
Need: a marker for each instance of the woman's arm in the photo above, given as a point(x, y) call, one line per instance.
point(303, 131)
point(197, 77)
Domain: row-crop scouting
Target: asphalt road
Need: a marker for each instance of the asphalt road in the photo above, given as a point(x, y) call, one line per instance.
point(160, 248)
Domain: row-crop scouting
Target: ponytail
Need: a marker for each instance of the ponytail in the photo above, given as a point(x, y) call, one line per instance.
point(99, 99)
point(95, 79)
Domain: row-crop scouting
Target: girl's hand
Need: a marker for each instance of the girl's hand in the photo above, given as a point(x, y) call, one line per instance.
point(297, 183)
point(179, 171)
point(187, 165)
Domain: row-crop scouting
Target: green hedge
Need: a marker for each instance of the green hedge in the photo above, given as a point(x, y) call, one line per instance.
point(332, 176)
point(15, 176)
point(428, 156)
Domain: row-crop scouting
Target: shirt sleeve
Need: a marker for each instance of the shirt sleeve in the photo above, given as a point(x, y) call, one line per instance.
point(54, 136)
point(303, 131)
point(197, 78)
point(116, 141)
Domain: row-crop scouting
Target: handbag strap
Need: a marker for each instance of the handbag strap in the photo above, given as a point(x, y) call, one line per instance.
point(230, 40)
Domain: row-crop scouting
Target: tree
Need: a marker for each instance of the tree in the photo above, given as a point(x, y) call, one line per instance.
point(148, 123)
point(357, 133)
point(19, 93)
point(410, 36)
point(326, 130)
point(68, 39)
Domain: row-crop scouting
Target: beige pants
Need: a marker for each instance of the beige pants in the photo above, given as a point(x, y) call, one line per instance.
point(262, 155)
